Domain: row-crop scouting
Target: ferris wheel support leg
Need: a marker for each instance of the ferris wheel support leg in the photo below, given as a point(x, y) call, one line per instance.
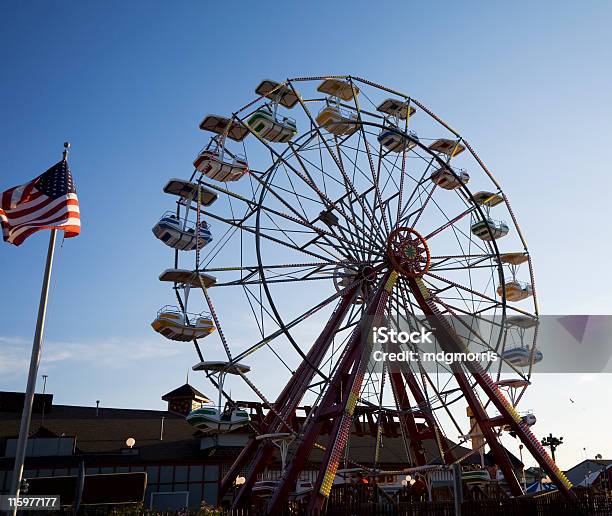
point(450, 341)
point(408, 426)
point(286, 404)
point(335, 405)
point(501, 457)
point(343, 422)
point(312, 431)
point(433, 432)
point(448, 457)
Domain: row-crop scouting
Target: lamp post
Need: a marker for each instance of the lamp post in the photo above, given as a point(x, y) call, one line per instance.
point(553, 443)
point(522, 467)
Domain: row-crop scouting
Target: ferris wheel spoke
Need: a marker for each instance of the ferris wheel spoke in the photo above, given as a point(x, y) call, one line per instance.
point(290, 325)
point(299, 219)
point(306, 177)
point(377, 210)
point(461, 287)
point(373, 170)
point(348, 184)
point(269, 213)
point(450, 223)
point(241, 226)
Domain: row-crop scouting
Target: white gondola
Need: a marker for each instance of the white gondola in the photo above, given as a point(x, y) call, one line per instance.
point(529, 419)
point(212, 418)
point(521, 321)
point(175, 324)
point(522, 357)
point(212, 163)
point(336, 120)
point(444, 178)
point(489, 229)
point(181, 235)
point(516, 290)
point(271, 126)
point(395, 141)
point(451, 148)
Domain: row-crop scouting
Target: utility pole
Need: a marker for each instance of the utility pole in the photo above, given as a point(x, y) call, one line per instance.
point(553, 443)
point(523, 468)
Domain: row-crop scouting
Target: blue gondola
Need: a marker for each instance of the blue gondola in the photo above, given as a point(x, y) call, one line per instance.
point(521, 357)
point(180, 235)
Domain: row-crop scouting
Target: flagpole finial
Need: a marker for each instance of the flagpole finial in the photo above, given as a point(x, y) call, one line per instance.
point(65, 153)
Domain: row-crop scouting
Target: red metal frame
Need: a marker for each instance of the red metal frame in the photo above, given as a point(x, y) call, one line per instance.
point(334, 403)
point(286, 405)
point(336, 408)
point(451, 342)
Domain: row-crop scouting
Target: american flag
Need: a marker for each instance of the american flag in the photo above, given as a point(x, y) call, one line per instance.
point(48, 202)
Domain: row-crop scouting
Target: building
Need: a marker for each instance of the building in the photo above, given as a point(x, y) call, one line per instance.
point(64, 436)
point(584, 470)
point(183, 465)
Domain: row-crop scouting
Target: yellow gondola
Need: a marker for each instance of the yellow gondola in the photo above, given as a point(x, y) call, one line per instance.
point(340, 122)
point(516, 290)
point(174, 324)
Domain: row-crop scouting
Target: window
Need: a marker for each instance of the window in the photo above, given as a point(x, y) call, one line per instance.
point(210, 494)
point(153, 474)
point(180, 474)
point(195, 495)
point(211, 473)
point(195, 473)
point(166, 474)
point(169, 500)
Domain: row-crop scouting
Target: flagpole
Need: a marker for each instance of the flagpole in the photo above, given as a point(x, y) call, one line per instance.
point(26, 415)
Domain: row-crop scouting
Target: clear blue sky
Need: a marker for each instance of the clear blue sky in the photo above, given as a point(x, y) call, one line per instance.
point(127, 83)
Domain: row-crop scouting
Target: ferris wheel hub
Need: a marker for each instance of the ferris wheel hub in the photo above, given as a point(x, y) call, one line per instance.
point(408, 252)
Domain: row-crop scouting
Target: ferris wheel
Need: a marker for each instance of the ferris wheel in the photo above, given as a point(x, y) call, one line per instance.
point(322, 209)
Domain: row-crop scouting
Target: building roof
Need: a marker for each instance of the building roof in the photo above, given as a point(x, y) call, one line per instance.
point(101, 434)
point(185, 391)
point(583, 469)
point(107, 431)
